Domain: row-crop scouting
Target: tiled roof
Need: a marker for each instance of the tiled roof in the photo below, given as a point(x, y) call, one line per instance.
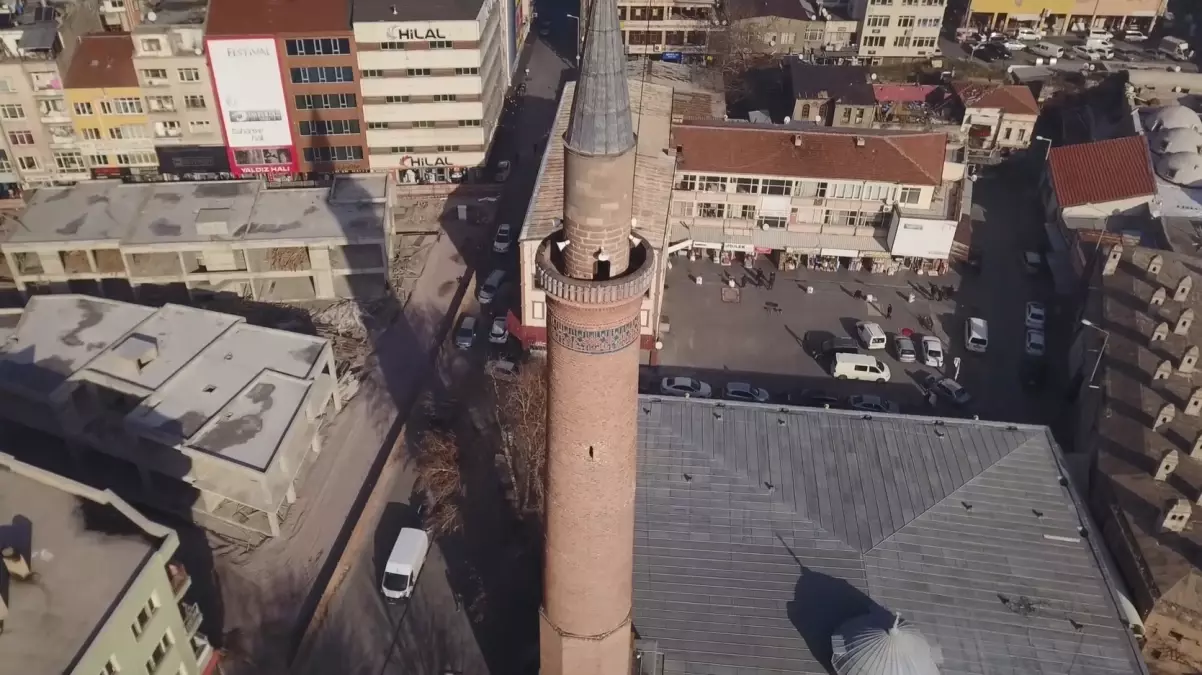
point(1100, 172)
point(891, 157)
point(759, 532)
point(601, 122)
point(904, 93)
point(102, 61)
point(1011, 99)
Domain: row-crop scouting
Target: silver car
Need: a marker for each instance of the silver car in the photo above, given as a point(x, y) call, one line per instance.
point(741, 391)
point(932, 351)
point(904, 347)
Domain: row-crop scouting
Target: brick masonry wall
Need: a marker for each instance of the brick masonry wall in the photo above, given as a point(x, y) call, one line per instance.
point(597, 194)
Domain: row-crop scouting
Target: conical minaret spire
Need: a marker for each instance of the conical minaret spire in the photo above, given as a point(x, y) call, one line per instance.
point(601, 122)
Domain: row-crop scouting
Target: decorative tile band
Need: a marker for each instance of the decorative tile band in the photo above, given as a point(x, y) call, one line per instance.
point(592, 340)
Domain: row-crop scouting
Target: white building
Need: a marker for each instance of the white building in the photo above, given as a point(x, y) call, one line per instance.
point(434, 76)
point(898, 30)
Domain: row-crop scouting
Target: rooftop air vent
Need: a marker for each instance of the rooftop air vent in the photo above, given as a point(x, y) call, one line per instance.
point(1175, 515)
point(135, 353)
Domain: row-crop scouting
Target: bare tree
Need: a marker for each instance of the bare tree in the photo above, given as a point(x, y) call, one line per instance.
point(522, 418)
point(439, 478)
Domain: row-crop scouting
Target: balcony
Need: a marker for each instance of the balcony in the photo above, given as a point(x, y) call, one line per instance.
point(203, 651)
point(192, 617)
point(180, 580)
point(54, 116)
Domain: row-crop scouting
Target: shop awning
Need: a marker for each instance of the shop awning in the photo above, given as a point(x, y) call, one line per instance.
point(840, 252)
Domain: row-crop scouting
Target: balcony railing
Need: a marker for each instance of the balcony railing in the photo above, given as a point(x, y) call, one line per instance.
point(180, 580)
point(192, 617)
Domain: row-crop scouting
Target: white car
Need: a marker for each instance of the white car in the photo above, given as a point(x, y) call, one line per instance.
point(499, 333)
point(684, 386)
point(741, 391)
point(875, 404)
point(503, 239)
point(1035, 345)
point(1037, 315)
point(1013, 45)
point(932, 351)
point(1086, 53)
point(1132, 36)
point(1028, 34)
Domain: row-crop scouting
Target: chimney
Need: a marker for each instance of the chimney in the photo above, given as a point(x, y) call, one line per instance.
point(1183, 288)
point(1175, 515)
point(1166, 415)
point(1168, 464)
point(860, 141)
point(1189, 360)
point(1158, 297)
point(1184, 322)
point(15, 562)
point(1163, 370)
point(1112, 260)
point(797, 140)
point(1193, 406)
point(1196, 450)
point(1155, 264)
point(1160, 332)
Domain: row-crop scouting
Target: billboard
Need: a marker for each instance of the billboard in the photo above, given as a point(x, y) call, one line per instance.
point(254, 110)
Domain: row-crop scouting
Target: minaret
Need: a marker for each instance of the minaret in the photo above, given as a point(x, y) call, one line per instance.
point(595, 273)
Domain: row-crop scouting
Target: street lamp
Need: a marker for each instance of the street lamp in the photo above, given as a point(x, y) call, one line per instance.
point(1048, 150)
point(1105, 339)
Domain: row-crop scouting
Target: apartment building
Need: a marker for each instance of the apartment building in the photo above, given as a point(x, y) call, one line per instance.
point(107, 109)
point(40, 145)
point(790, 27)
point(898, 30)
point(89, 584)
point(668, 26)
point(287, 82)
point(434, 77)
point(832, 96)
point(1057, 17)
point(173, 73)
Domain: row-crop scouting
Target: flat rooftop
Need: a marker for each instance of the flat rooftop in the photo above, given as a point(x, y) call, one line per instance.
point(232, 18)
point(651, 106)
point(86, 555)
point(364, 11)
point(111, 213)
point(759, 530)
point(208, 383)
point(176, 13)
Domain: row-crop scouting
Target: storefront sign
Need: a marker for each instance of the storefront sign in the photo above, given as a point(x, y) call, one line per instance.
point(188, 160)
point(840, 253)
point(111, 172)
point(409, 161)
point(263, 161)
point(400, 34)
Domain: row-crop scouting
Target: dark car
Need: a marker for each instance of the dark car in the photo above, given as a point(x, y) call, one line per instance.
point(991, 51)
point(839, 345)
point(813, 398)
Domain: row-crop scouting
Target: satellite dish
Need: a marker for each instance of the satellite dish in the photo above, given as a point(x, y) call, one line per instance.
point(788, 119)
point(151, 16)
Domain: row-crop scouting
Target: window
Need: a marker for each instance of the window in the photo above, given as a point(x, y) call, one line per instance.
point(147, 612)
point(467, 71)
point(168, 129)
point(1022, 134)
point(377, 125)
point(805, 112)
point(6, 84)
point(909, 195)
point(687, 182)
point(713, 184)
point(98, 160)
point(154, 74)
point(402, 149)
point(774, 186)
point(20, 138)
point(905, 21)
point(195, 102)
point(160, 652)
point(747, 212)
point(880, 2)
point(12, 111)
point(747, 185)
point(320, 101)
point(91, 134)
point(874, 41)
point(901, 41)
point(152, 45)
point(110, 667)
point(137, 159)
point(706, 210)
point(70, 160)
point(160, 103)
point(28, 163)
point(423, 124)
point(924, 42)
point(322, 74)
point(371, 73)
point(127, 131)
point(929, 22)
point(873, 191)
point(444, 98)
point(396, 99)
point(329, 127)
point(189, 74)
point(448, 148)
point(845, 191)
point(788, 38)
point(122, 106)
point(200, 126)
point(317, 46)
point(877, 21)
point(392, 46)
point(772, 222)
point(682, 209)
point(859, 116)
point(83, 108)
point(1006, 133)
point(418, 72)
point(469, 123)
point(5, 163)
point(538, 309)
point(341, 153)
point(440, 44)
point(846, 116)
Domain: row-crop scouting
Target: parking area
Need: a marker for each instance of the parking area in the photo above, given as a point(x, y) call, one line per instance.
point(761, 338)
point(1143, 52)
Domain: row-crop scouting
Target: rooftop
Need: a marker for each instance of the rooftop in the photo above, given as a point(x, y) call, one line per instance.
point(84, 553)
point(415, 10)
point(914, 158)
point(759, 532)
point(171, 214)
point(651, 109)
point(229, 18)
point(176, 13)
point(843, 84)
point(800, 10)
point(1102, 171)
point(601, 122)
point(206, 382)
point(102, 61)
point(1011, 99)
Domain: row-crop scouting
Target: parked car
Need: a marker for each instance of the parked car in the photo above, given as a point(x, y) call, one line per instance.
point(1013, 45)
point(684, 386)
point(741, 391)
point(1087, 53)
point(1131, 35)
point(503, 238)
point(814, 398)
point(465, 334)
point(404, 564)
point(504, 167)
point(859, 367)
point(1028, 34)
point(502, 369)
point(498, 334)
point(1033, 374)
point(1097, 34)
point(839, 345)
point(1035, 345)
point(932, 351)
point(1033, 262)
point(904, 347)
point(1036, 315)
point(871, 335)
point(976, 335)
point(948, 389)
point(876, 404)
point(492, 284)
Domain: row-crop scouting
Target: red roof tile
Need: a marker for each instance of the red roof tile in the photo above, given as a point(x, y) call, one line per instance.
point(102, 61)
point(1105, 171)
point(277, 17)
point(1014, 99)
point(914, 158)
point(903, 93)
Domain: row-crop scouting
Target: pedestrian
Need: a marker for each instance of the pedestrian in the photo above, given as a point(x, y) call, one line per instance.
point(771, 280)
point(938, 295)
point(859, 295)
point(889, 312)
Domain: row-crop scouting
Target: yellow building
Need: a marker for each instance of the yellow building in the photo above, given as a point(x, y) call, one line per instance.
point(1050, 16)
point(107, 108)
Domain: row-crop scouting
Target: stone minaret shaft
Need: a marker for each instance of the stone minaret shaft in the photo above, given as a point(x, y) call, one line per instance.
point(595, 274)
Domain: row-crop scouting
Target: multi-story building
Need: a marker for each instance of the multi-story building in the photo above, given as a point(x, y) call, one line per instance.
point(898, 30)
point(790, 27)
point(109, 600)
point(996, 117)
point(659, 26)
point(107, 108)
point(287, 81)
point(170, 63)
point(1057, 17)
point(40, 145)
point(433, 83)
point(838, 96)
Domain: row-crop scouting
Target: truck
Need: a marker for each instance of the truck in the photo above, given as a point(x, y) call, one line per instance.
point(404, 564)
point(1176, 48)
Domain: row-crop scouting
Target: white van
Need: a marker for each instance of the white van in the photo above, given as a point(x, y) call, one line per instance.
point(859, 367)
point(976, 335)
point(871, 335)
point(1047, 50)
point(404, 564)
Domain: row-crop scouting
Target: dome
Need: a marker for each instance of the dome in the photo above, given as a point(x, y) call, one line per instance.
point(1182, 168)
point(1175, 140)
point(1172, 117)
point(879, 643)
